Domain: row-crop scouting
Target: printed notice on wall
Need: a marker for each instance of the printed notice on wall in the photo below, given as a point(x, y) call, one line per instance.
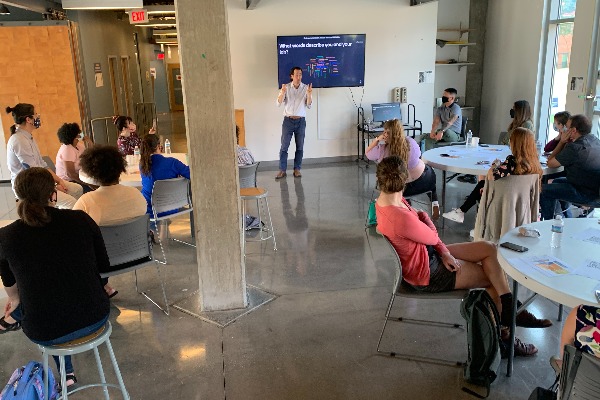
point(576, 84)
point(99, 79)
point(425, 76)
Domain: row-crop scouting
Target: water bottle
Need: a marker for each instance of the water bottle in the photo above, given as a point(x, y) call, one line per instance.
point(167, 147)
point(539, 147)
point(136, 155)
point(557, 231)
point(469, 141)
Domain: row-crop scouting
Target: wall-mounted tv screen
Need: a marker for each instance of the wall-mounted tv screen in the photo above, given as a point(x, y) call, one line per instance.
point(386, 111)
point(326, 60)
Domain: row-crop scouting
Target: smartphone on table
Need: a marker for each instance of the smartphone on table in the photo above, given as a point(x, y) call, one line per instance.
point(514, 247)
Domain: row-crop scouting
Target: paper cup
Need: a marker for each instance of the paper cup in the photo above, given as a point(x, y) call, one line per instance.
point(475, 141)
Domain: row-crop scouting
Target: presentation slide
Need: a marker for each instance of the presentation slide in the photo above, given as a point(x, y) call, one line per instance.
point(326, 60)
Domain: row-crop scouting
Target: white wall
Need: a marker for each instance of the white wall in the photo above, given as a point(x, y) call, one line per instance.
point(514, 31)
point(400, 42)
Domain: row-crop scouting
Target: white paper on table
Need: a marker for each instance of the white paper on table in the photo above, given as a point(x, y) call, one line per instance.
point(590, 269)
point(591, 235)
point(547, 265)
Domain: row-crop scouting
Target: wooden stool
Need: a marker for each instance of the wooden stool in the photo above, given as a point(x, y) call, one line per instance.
point(90, 342)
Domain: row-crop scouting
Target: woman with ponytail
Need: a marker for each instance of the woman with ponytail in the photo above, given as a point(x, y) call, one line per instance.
point(394, 142)
point(23, 153)
point(128, 137)
point(154, 166)
point(55, 292)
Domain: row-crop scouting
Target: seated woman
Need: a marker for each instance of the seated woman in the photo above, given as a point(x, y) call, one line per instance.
point(154, 166)
point(427, 263)
point(128, 137)
point(393, 142)
point(67, 158)
point(521, 118)
point(582, 330)
point(54, 291)
point(524, 160)
point(111, 203)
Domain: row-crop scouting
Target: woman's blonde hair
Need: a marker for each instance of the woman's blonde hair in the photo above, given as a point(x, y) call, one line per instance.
point(522, 145)
point(396, 142)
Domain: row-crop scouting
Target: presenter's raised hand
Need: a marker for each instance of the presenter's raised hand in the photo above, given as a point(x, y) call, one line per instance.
point(283, 88)
point(309, 90)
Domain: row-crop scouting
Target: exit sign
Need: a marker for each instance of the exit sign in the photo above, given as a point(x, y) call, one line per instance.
point(138, 16)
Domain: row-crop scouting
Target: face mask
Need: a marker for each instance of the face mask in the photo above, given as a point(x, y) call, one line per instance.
point(37, 122)
point(445, 99)
point(555, 127)
point(512, 113)
point(81, 135)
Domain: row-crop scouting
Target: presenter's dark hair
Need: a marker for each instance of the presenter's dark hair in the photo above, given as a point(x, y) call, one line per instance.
point(562, 117)
point(20, 112)
point(451, 90)
point(121, 121)
point(103, 163)
point(581, 123)
point(292, 71)
point(149, 145)
point(392, 174)
point(68, 132)
point(34, 186)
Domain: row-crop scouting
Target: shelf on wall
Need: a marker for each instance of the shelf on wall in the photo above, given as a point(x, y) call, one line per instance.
point(458, 64)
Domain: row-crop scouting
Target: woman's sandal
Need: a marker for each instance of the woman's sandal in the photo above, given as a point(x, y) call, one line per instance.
point(70, 380)
point(8, 327)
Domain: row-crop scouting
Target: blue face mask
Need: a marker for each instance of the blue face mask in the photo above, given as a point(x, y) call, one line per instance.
point(555, 127)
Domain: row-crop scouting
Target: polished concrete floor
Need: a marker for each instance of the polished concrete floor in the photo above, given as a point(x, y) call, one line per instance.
point(317, 338)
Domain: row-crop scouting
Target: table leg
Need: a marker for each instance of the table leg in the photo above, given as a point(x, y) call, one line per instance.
point(513, 326)
point(443, 198)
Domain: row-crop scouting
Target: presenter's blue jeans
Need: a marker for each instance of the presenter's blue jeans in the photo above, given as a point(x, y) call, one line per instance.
point(17, 314)
point(292, 127)
point(560, 189)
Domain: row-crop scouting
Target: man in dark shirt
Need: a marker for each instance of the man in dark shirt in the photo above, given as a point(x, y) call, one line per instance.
point(579, 153)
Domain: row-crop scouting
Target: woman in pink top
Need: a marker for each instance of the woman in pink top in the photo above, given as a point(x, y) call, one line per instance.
point(67, 158)
point(421, 177)
point(427, 263)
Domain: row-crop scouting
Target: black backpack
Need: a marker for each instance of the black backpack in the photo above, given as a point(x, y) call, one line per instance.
point(483, 339)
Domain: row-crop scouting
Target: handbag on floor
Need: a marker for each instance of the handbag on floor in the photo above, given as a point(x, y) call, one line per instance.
point(27, 383)
point(540, 393)
point(371, 215)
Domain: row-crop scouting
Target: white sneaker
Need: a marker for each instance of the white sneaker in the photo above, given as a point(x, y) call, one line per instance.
point(435, 209)
point(455, 215)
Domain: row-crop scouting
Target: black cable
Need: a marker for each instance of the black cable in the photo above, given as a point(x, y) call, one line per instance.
point(361, 97)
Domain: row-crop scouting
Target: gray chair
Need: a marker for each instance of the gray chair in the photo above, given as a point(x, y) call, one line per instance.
point(247, 175)
point(170, 195)
point(502, 136)
point(402, 289)
point(50, 163)
point(129, 248)
point(579, 378)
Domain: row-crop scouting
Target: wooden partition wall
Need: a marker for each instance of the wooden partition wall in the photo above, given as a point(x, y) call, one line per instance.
point(38, 68)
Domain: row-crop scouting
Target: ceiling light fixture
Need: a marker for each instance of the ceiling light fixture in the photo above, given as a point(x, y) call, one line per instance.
point(164, 32)
point(157, 24)
point(167, 41)
point(4, 10)
point(101, 4)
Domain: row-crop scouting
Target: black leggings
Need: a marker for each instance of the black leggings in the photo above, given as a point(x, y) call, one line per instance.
point(473, 198)
point(425, 183)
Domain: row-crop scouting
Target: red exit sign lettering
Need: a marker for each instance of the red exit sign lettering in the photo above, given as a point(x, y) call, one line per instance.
point(138, 16)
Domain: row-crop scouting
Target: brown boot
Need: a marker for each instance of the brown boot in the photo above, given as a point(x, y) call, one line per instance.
point(281, 174)
point(297, 173)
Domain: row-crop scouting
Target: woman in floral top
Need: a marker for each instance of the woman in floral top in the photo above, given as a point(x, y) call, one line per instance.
point(524, 160)
point(128, 137)
point(582, 330)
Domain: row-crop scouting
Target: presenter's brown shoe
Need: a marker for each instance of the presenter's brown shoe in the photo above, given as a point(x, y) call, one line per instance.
point(280, 175)
point(297, 173)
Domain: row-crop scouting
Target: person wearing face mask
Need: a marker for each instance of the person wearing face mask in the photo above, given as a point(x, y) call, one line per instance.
point(579, 153)
point(560, 126)
point(521, 118)
point(23, 153)
point(128, 137)
point(447, 121)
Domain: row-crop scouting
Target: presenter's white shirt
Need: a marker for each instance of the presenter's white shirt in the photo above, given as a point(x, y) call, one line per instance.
point(294, 101)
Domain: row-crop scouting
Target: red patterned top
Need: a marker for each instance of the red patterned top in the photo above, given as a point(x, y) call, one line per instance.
point(127, 144)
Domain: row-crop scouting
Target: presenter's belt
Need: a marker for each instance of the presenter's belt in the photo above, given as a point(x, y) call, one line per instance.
point(293, 117)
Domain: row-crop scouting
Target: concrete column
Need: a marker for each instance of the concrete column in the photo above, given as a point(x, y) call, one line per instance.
point(209, 119)
point(477, 20)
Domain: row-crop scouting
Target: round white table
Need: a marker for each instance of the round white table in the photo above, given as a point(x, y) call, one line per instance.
point(132, 176)
point(570, 290)
point(473, 161)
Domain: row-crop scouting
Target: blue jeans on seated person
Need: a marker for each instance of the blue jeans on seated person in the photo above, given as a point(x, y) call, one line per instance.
point(17, 314)
point(560, 189)
point(297, 128)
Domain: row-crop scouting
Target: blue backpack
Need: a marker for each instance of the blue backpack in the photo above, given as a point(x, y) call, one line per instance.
point(27, 383)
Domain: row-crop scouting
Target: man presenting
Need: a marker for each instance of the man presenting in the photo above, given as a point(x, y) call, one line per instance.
point(447, 121)
point(579, 153)
point(296, 98)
